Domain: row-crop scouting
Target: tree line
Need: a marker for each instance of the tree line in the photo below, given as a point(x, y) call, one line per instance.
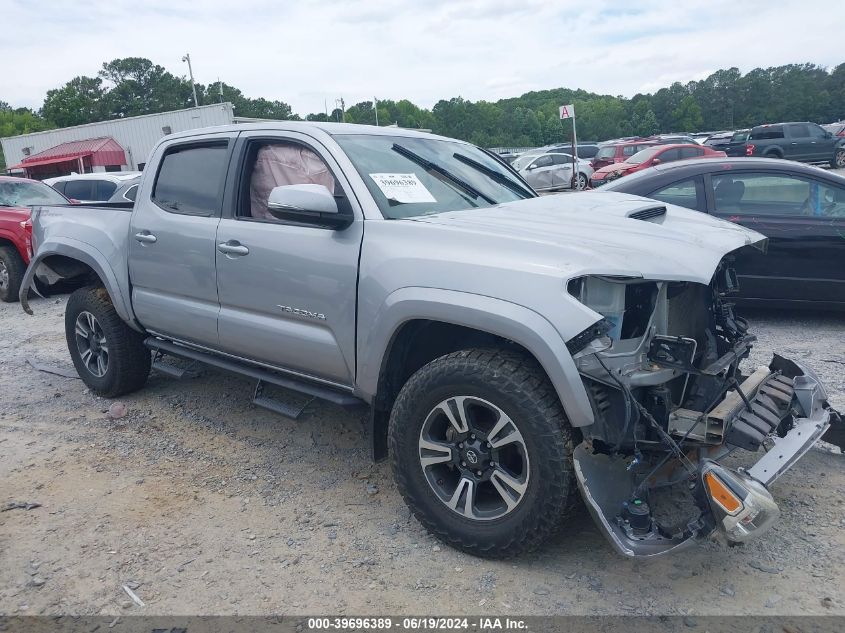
point(727, 99)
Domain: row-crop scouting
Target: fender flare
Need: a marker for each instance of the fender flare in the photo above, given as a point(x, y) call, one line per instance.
point(91, 257)
point(487, 314)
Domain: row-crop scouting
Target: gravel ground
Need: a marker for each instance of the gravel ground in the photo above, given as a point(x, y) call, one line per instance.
point(204, 504)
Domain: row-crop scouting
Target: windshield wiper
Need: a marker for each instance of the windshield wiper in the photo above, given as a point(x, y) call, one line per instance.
point(430, 166)
point(494, 175)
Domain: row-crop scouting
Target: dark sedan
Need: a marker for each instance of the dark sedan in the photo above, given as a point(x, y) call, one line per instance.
point(800, 208)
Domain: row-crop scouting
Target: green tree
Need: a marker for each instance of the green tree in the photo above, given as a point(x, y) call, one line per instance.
point(140, 87)
point(687, 116)
point(81, 100)
point(15, 121)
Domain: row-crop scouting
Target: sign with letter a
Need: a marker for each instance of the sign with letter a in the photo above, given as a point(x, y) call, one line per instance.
point(567, 111)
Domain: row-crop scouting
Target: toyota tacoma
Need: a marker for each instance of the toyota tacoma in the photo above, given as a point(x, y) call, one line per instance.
point(516, 352)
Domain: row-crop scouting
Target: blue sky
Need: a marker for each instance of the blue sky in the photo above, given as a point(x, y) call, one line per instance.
point(308, 52)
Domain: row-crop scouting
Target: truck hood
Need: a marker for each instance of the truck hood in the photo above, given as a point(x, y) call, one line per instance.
point(593, 233)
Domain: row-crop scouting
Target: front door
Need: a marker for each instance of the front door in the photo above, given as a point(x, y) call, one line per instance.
point(288, 292)
point(804, 220)
point(172, 240)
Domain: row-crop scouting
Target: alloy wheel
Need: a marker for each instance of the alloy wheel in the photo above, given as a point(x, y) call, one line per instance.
point(474, 458)
point(4, 276)
point(840, 159)
point(91, 343)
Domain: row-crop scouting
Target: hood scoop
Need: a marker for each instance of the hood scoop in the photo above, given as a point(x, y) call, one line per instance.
point(647, 214)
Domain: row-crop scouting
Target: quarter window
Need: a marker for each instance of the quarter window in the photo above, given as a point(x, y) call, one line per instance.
point(190, 179)
point(104, 190)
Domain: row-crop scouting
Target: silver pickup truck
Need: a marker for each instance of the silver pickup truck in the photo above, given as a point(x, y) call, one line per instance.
point(512, 349)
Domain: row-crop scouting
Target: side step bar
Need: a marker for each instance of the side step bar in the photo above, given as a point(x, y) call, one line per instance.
point(262, 375)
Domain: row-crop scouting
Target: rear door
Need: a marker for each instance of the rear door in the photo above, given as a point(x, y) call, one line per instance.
point(172, 239)
point(562, 175)
point(803, 218)
point(288, 292)
point(540, 174)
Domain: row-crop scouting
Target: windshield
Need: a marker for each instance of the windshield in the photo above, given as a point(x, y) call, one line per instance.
point(643, 155)
point(739, 136)
point(28, 194)
point(410, 177)
point(607, 152)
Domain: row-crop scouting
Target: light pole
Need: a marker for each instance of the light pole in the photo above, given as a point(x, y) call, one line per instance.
point(187, 58)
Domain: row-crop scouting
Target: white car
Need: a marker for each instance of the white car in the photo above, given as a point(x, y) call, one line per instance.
point(553, 170)
point(90, 188)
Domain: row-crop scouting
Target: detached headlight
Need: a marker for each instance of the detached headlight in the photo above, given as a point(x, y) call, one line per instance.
point(742, 506)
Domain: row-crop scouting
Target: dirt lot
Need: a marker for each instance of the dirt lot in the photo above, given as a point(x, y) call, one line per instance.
point(204, 504)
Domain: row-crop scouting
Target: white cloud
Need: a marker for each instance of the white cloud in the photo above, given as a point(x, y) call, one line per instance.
point(312, 51)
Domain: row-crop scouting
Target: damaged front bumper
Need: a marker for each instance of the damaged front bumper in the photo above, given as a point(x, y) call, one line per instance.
point(788, 405)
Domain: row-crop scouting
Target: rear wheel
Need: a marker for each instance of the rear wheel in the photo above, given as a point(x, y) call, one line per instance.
point(12, 270)
point(838, 161)
point(109, 356)
point(482, 452)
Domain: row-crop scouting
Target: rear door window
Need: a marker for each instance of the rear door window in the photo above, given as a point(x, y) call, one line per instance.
point(79, 189)
point(630, 150)
point(691, 152)
point(670, 155)
point(190, 179)
point(799, 130)
point(766, 133)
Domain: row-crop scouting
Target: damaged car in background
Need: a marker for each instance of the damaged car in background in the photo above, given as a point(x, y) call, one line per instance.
point(511, 349)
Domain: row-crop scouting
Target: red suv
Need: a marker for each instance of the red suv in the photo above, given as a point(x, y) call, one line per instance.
point(618, 152)
point(17, 197)
point(651, 156)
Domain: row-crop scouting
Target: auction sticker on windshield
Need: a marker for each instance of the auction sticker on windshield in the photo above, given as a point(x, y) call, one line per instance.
point(405, 188)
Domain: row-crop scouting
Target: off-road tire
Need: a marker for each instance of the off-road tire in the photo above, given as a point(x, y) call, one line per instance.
point(516, 384)
point(15, 268)
point(128, 359)
point(838, 160)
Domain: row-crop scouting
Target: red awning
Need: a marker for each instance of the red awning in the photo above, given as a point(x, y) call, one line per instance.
point(103, 151)
point(42, 161)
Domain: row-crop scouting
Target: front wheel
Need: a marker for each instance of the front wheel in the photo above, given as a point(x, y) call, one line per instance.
point(109, 356)
point(580, 181)
point(838, 161)
point(482, 452)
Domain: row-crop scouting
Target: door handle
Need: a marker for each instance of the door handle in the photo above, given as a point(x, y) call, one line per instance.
point(232, 247)
point(145, 237)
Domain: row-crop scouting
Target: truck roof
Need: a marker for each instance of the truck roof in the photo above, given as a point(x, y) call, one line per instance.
point(308, 127)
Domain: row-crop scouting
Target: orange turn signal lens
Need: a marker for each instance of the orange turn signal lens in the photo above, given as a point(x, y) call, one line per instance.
point(721, 494)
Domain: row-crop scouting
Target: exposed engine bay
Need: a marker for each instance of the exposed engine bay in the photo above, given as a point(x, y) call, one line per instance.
point(662, 370)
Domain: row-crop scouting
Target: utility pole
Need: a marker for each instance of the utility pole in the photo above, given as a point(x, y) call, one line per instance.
point(342, 107)
point(187, 58)
point(375, 107)
point(220, 85)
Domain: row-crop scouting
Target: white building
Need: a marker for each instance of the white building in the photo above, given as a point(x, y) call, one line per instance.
point(136, 135)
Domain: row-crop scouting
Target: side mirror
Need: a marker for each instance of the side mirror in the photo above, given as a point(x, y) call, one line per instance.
point(656, 161)
point(307, 204)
